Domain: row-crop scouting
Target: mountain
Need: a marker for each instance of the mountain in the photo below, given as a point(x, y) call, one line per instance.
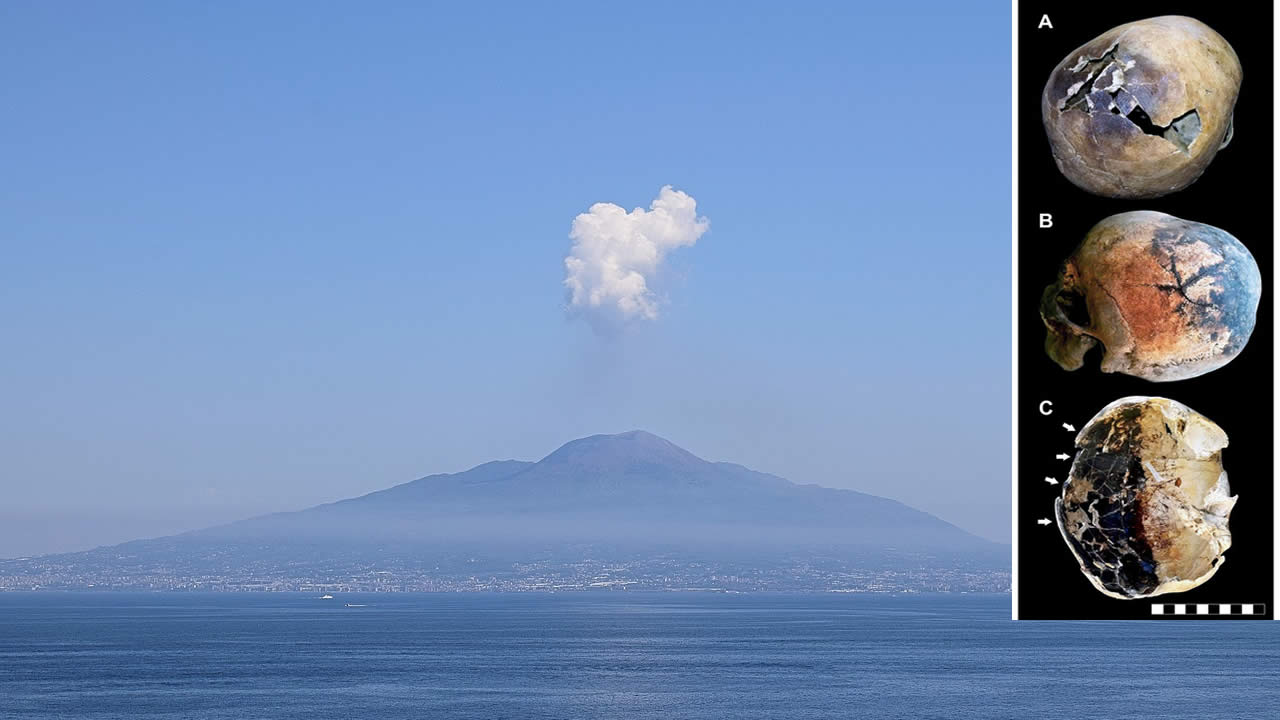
point(630, 486)
point(626, 500)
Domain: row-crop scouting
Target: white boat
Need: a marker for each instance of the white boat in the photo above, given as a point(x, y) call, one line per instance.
point(326, 597)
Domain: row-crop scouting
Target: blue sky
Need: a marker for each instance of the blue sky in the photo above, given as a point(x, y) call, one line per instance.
point(264, 255)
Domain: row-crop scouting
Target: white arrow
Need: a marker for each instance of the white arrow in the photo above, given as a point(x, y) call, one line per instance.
point(1069, 427)
point(1043, 521)
point(1063, 456)
point(1051, 481)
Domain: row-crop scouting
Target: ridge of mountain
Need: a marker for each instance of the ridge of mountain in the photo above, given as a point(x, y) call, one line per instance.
point(632, 503)
point(610, 485)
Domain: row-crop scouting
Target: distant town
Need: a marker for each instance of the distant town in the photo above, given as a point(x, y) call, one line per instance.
point(54, 573)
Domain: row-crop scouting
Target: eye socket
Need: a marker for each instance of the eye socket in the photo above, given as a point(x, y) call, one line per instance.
point(1073, 307)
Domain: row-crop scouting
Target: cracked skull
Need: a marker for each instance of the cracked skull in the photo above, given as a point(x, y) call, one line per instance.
point(1166, 298)
point(1141, 110)
point(1146, 506)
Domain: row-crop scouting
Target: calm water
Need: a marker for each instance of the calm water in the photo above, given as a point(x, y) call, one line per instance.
point(611, 655)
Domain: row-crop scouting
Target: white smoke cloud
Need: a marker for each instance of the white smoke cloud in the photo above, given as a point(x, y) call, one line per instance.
point(616, 254)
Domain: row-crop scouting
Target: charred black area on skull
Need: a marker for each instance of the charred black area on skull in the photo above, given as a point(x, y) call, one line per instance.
point(1105, 486)
point(1118, 433)
point(1113, 545)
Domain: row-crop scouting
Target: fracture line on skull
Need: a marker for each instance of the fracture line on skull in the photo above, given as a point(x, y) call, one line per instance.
point(1182, 131)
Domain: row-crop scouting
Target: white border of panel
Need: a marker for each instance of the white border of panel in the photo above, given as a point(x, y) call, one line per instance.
point(1013, 304)
point(1013, 309)
point(1275, 265)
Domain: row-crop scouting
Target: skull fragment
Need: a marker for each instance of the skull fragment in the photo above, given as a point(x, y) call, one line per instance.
point(1167, 299)
point(1145, 509)
point(1141, 110)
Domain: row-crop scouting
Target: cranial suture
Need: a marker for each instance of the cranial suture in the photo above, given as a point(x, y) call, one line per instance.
point(1165, 298)
point(1146, 506)
point(1141, 110)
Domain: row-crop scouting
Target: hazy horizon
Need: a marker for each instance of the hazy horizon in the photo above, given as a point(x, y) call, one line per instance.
point(260, 258)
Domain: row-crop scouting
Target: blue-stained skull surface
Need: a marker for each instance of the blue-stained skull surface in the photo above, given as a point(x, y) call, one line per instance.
point(1141, 110)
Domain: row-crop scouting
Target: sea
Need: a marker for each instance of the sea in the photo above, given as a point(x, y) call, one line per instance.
point(613, 654)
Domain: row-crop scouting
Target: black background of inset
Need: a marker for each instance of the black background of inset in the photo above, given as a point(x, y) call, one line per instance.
point(1234, 194)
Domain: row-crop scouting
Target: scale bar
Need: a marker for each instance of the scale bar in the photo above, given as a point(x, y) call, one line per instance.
point(1209, 609)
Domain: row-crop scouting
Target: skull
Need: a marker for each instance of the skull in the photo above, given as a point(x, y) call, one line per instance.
point(1167, 299)
point(1141, 110)
point(1146, 506)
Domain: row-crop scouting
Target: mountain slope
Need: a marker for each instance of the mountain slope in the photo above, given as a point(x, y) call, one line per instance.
point(631, 486)
point(631, 503)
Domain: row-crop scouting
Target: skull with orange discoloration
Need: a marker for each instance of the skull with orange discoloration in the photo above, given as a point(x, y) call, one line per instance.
point(1164, 298)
